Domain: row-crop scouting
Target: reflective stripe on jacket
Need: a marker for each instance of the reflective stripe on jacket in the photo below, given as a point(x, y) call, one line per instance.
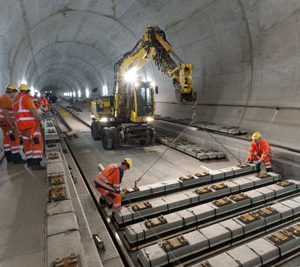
point(24, 116)
point(260, 150)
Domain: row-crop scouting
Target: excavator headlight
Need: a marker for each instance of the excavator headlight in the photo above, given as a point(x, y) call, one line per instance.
point(149, 119)
point(104, 119)
point(131, 75)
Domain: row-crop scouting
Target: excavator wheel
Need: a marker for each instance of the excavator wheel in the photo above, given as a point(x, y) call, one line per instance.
point(107, 139)
point(152, 138)
point(146, 141)
point(95, 131)
point(116, 138)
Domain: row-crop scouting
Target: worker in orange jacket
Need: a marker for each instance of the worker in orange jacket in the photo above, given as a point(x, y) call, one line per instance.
point(11, 141)
point(260, 152)
point(108, 183)
point(44, 104)
point(28, 123)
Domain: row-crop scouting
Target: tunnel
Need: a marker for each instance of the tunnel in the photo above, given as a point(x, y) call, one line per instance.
point(245, 72)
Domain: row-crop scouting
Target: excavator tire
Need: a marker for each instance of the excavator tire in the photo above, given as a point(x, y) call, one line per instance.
point(95, 131)
point(152, 138)
point(116, 138)
point(146, 141)
point(107, 139)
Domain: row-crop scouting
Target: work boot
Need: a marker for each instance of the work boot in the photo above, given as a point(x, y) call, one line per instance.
point(102, 202)
point(29, 163)
point(8, 156)
point(269, 169)
point(36, 164)
point(17, 159)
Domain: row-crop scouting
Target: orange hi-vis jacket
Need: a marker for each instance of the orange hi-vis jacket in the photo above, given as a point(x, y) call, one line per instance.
point(22, 105)
point(6, 103)
point(109, 179)
point(260, 151)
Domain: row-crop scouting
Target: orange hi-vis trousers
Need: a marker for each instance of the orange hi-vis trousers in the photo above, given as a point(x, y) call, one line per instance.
point(33, 144)
point(11, 141)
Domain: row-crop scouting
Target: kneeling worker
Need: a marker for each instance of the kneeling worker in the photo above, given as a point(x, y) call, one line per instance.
point(260, 152)
point(109, 180)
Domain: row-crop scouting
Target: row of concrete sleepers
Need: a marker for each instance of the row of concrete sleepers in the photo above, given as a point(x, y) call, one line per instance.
point(207, 238)
point(192, 197)
point(177, 221)
point(62, 234)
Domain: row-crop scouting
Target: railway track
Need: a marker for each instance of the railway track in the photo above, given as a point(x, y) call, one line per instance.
point(193, 218)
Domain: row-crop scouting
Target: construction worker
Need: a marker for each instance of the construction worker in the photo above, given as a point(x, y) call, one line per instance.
point(108, 183)
point(44, 104)
point(28, 123)
point(11, 141)
point(260, 152)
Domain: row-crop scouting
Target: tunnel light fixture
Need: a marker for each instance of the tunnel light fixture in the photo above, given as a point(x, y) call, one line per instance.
point(79, 93)
point(23, 81)
point(74, 94)
point(152, 84)
point(131, 75)
point(87, 93)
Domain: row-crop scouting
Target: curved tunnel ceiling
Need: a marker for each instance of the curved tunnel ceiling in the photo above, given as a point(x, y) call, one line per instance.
point(245, 53)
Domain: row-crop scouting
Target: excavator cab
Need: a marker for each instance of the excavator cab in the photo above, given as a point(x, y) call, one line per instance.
point(142, 108)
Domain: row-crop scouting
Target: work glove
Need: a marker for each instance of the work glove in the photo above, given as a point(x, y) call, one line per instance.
point(257, 165)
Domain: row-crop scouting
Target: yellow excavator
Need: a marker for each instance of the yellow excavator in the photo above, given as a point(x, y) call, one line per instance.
point(127, 115)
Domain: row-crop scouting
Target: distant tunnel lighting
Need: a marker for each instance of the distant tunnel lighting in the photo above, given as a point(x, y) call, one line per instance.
point(79, 93)
point(152, 84)
point(74, 94)
point(87, 93)
point(23, 82)
point(130, 75)
point(104, 90)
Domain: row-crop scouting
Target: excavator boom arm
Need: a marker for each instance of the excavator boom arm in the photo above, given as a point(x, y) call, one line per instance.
point(154, 46)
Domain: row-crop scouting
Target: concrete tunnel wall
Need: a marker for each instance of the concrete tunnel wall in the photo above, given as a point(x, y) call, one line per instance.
point(245, 54)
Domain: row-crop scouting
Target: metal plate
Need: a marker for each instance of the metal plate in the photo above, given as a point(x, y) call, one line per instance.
point(202, 190)
point(174, 243)
point(56, 180)
point(239, 197)
point(70, 261)
point(186, 178)
point(262, 175)
point(295, 230)
point(53, 155)
point(285, 183)
point(219, 186)
point(280, 237)
point(201, 174)
point(141, 206)
point(222, 202)
point(57, 194)
point(155, 221)
point(248, 218)
point(266, 211)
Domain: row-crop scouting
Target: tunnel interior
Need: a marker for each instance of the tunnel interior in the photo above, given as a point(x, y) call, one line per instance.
point(244, 54)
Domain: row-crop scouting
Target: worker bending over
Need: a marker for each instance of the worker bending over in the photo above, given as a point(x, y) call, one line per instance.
point(260, 152)
point(28, 123)
point(108, 183)
point(11, 141)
